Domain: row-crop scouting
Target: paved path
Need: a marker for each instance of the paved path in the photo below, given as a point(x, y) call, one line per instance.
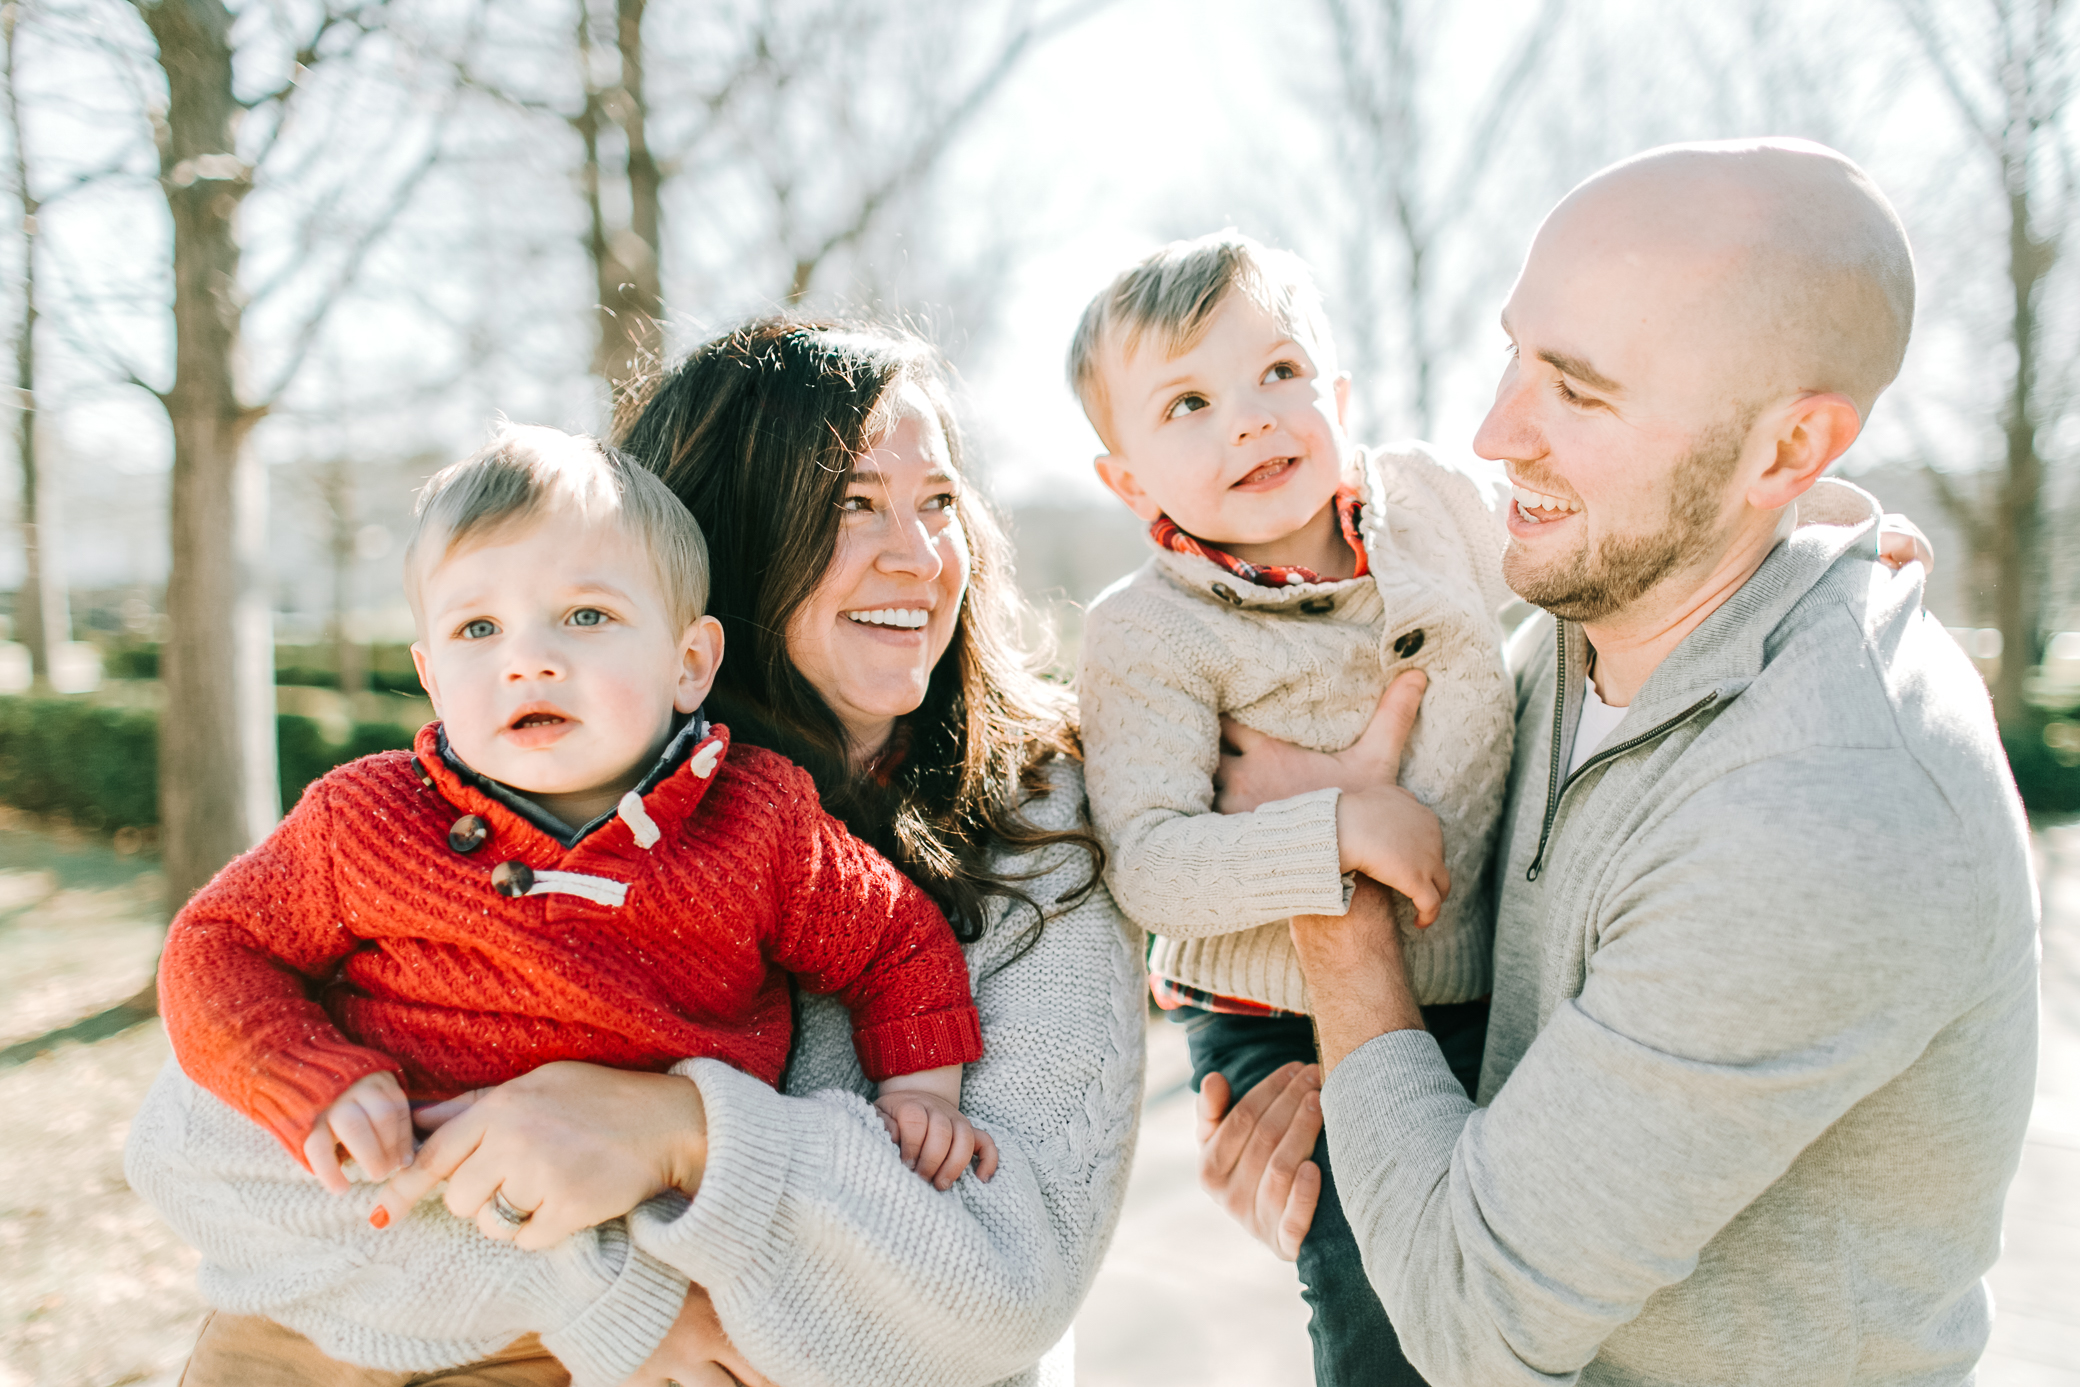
point(1186, 1299)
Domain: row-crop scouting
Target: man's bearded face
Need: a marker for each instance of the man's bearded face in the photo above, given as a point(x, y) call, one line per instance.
point(1595, 580)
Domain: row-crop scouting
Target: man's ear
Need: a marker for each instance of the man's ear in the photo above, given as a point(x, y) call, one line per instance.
point(1810, 434)
point(1112, 470)
point(420, 663)
point(700, 656)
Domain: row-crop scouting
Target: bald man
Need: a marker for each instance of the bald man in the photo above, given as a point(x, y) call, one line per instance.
point(1764, 1030)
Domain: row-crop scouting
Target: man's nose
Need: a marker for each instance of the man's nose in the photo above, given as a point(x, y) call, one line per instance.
point(1510, 431)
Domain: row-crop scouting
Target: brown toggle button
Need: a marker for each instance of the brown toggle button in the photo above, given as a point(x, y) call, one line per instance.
point(468, 833)
point(1409, 643)
point(1318, 606)
point(512, 878)
point(1226, 594)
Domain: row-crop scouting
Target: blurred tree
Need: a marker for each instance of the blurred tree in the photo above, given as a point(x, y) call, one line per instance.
point(2007, 67)
point(217, 777)
point(42, 619)
point(1414, 189)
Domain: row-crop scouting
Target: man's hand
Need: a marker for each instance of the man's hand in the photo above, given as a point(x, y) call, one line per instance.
point(568, 1145)
point(373, 1124)
point(696, 1353)
point(1254, 1159)
point(1256, 769)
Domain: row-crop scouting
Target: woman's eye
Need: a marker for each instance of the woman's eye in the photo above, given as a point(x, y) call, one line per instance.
point(478, 629)
point(1186, 404)
point(1284, 370)
point(856, 505)
point(588, 616)
point(945, 500)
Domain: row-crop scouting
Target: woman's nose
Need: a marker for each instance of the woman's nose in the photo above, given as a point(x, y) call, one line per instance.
point(911, 548)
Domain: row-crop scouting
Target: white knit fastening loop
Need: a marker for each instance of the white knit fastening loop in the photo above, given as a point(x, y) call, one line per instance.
point(704, 760)
point(598, 890)
point(631, 812)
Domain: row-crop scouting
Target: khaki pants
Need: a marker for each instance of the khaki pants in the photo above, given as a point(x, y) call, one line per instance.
point(248, 1351)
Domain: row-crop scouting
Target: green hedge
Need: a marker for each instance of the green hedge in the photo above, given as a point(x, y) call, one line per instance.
point(99, 767)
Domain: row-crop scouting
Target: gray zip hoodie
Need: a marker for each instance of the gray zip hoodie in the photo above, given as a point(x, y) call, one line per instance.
point(1764, 1033)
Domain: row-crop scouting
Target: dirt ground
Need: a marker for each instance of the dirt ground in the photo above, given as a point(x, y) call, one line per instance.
point(96, 1292)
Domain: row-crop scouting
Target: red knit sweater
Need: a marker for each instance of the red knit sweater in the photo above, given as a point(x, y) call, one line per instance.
point(356, 939)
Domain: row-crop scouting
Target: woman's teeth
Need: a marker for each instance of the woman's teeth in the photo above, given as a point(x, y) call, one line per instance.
point(1529, 501)
point(908, 618)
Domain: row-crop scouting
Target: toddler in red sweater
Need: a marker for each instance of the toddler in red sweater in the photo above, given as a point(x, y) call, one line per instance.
point(571, 865)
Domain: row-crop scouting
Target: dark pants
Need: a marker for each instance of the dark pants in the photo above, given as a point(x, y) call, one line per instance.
point(1354, 1344)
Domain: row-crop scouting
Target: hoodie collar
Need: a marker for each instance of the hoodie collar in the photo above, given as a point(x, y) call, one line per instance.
point(1729, 648)
point(667, 793)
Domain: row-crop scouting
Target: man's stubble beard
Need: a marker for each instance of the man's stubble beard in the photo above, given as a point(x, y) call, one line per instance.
point(1590, 585)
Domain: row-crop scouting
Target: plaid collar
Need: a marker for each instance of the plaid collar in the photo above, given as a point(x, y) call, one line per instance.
point(1166, 533)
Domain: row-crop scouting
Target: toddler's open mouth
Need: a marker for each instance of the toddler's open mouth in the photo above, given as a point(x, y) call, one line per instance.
point(1268, 471)
point(535, 715)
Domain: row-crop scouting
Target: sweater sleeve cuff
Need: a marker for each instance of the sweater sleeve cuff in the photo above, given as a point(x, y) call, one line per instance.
point(1394, 1113)
point(626, 1312)
point(725, 1235)
point(291, 1088)
point(913, 1044)
point(1296, 867)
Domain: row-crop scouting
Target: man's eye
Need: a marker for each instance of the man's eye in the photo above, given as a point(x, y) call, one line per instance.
point(1566, 392)
point(1186, 404)
point(588, 616)
point(1284, 370)
point(478, 629)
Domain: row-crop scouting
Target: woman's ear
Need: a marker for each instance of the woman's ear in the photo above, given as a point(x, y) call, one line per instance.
point(1112, 470)
point(425, 669)
point(700, 656)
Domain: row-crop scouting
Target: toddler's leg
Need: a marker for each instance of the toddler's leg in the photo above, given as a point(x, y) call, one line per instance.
point(1354, 1343)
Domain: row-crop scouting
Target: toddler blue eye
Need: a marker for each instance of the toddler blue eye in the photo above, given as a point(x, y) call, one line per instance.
point(478, 629)
point(587, 616)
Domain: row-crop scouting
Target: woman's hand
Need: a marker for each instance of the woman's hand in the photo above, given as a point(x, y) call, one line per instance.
point(1253, 1159)
point(568, 1145)
point(696, 1353)
point(1256, 769)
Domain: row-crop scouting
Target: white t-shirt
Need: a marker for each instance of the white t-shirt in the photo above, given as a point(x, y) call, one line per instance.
point(1598, 721)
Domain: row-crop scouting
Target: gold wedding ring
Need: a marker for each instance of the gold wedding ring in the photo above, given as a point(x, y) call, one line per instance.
point(502, 1209)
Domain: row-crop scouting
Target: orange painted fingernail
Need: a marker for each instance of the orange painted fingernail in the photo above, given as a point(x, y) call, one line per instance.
point(380, 1218)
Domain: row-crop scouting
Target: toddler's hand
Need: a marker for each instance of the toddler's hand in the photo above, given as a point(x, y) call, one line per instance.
point(372, 1122)
point(1392, 837)
point(1900, 542)
point(936, 1139)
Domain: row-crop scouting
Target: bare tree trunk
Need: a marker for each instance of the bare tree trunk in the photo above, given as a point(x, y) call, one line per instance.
point(624, 259)
point(336, 485)
point(218, 793)
point(2018, 583)
point(41, 619)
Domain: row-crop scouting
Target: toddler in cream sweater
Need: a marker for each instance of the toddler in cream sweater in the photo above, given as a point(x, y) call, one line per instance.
point(1294, 578)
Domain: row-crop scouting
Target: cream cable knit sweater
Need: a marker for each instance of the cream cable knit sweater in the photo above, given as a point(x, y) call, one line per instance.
point(1181, 641)
point(829, 1263)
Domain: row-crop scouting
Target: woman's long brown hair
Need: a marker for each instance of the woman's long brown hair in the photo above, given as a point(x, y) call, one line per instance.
point(757, 432)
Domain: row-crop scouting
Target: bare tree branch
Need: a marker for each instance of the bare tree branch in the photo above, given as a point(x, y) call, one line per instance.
point(1937, 49)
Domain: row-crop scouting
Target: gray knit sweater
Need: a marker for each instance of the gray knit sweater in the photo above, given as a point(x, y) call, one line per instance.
point(1181, 641)
point(828, 1262)
point(1762, 1051)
